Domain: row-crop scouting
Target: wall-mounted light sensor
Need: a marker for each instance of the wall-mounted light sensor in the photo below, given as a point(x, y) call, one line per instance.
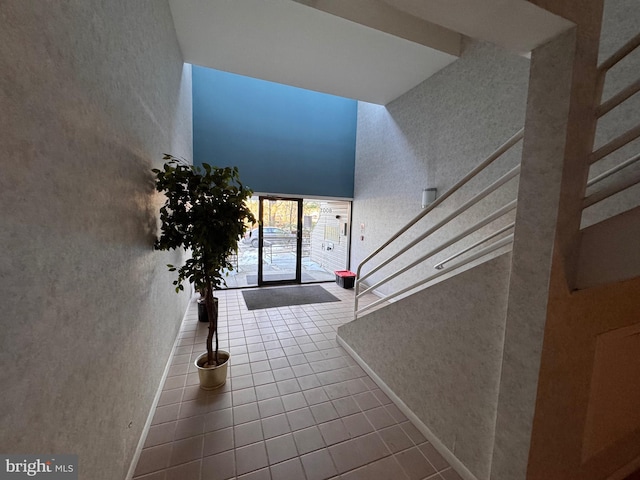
point(428, 196)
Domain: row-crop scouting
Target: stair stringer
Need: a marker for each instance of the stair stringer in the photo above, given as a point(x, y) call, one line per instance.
point(439, 351)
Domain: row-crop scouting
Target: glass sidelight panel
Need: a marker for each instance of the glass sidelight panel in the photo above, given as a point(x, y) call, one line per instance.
point(325, 239)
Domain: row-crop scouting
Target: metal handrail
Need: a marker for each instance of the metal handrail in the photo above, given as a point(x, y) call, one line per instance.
point(494, 246)
point(621, 140)
point(622, 52)
point(607, 192)
point(462, 208)
point(618, 98)
point(613, 170)
point(440, 266)
point(615, 144)
point(485, 221)
point(490, 159)
point(491, 188)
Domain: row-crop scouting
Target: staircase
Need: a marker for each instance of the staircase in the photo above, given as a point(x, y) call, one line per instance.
point(610, 215)
point(510, 340)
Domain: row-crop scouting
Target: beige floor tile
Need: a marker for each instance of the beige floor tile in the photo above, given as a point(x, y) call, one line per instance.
point(315, 396)
point(247, 395)
point(345, 406)
point(187, 471)
point(357, 425)
point(434, 457)
point(245, 413)
point(159, 434)
point(218, 442)
point(308, 440)
point(153, 459)
point(385, 469)
point(189, 427)
point(218, 401)
point(262, 474)
point(288, 386)
point(186, 450)
point(161, 475)
point(252, 457)
point(318, 465)
point(371, 447)
point(395, 438)
point(414, 464)
point(248, 433)
point(170, 396)
point(293, 401)
point(264, 392)
point(395, 412)
point(291, 391)
point(379, 418)
point(413, 433)
point(450, 474)
point(358, 452)
point(219, 467)
point(299, 419)
point(324, 412)
point(218, 419)
point(289, 470)
point(281, 448)
point(270, 407)
point(283, 374)
point(275, 426)
point(366, 400)
point(168, 413)
point(334, 432)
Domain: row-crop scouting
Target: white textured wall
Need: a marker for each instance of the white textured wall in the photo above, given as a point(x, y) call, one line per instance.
point(431, 137)
point(442, 356)
point(91, 94)
point(538, 199)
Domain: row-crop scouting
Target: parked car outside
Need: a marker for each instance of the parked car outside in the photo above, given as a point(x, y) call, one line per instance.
point(272, 235)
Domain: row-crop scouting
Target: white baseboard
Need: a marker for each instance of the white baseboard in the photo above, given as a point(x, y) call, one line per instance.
point(456, 464)
point(156, 399)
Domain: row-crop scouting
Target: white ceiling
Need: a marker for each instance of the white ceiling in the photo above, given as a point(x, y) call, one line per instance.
point(517, 25)
point(369, 50)
point(287, 42)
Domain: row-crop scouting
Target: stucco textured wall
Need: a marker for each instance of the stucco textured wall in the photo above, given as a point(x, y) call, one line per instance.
point(431, 137)
point(442, 357)
point(91, 94)
point(539, 189)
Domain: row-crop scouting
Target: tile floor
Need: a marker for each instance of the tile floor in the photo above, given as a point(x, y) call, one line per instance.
point(295, 406)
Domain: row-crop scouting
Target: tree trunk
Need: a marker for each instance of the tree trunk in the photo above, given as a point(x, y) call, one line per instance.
point(212, 313)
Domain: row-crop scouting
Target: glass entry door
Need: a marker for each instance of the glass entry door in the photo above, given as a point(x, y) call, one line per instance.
point(279, 240)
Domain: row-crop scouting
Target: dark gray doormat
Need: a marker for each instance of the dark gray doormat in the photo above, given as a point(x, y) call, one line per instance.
point(281, 297)
point(252, 278)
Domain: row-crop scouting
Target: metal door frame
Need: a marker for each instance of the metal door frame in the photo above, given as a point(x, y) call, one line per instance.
point(298, 278)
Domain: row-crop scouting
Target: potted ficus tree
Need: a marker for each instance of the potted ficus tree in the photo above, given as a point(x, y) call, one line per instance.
point(205, 212)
